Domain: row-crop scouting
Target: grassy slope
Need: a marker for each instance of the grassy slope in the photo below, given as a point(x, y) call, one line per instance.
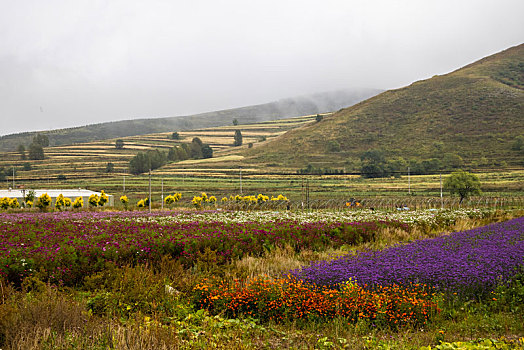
point(89, 160)
point(285, 108)
point(476, 111)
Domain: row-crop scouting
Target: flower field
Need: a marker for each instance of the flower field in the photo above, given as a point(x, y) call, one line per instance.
point(469, 263)
point(65, 247)
point(288, 299)
point(217, 279)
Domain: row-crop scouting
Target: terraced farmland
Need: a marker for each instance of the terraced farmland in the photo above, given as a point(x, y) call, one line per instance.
point(86, 161)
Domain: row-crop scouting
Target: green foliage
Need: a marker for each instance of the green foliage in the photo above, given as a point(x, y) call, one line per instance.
point(30, 196)
point(119, 144)
point(123, 292)
point(235, 122)
point(463, 184)
point(61, 177)
point(374, 164)
point(36, 151)
point(196, 148)
point(238, 138)
point(110, 167)
point(482, 344)
point(207, 151)
point(26, 166)
point(518, 143)
point(41, 139)
point(175, 136)
point(21, 151)
point(310, 169)
point(452, 161)
point(319, 118)
point(333, 146)
point(145, 161)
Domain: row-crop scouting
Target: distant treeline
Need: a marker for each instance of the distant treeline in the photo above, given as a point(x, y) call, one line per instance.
point(375, 164)
point(144, 161)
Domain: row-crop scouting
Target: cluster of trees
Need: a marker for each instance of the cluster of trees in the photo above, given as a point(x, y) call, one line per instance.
point(310, 169)
point(375, 164)
point(35, 151)
point(144, 161)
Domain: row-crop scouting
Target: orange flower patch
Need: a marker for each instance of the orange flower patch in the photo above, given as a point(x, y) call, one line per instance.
point(288, 299)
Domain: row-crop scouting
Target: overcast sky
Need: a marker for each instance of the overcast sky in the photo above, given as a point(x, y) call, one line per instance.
point(76, 62)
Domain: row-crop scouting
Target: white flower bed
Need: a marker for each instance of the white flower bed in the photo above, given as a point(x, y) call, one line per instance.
point(422, 217)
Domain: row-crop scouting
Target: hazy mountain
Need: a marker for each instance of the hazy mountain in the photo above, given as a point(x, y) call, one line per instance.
point(476, 113)
point(289, 107)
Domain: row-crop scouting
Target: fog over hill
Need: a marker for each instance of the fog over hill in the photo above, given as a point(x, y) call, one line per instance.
point(471, 117)
point(284, 108)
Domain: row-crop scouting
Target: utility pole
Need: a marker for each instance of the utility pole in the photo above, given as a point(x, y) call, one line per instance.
point(149, 190)
point(307, 193)
point(240, 180)
point(302, 194)
point(409, 182)
point(162, 195)
point(441, 196)
point(14, 178)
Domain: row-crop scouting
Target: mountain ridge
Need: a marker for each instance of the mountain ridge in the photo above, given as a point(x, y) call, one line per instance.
point(280, 109)
point(475, 112)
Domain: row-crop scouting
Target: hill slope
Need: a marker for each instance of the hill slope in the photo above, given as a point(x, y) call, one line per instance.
point(476, 112)
point(285, 108)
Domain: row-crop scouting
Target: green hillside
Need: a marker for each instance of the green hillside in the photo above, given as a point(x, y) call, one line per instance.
point(285, 108)
point(476, 113)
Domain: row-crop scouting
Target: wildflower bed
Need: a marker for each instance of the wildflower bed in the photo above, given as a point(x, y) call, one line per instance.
point(291, 300)
point(469, 263)
point(65, 247)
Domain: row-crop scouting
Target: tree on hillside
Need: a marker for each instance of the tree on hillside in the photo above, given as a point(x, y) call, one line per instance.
point(319, 118)
point(373, 164)
point(518, 143)
point(119, 144)
point(196, 148)
point(110, 167)
point(182, 152)
point(36, 151)
point(41, 139)
point(144, 161)
point(452, 160)
point(21, 151)
point(207, 151)
point(463, 184)
point(175, 136)
point(235, 122)
point(238, 138)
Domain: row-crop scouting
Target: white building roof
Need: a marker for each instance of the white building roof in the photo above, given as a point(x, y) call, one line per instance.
point(71, 193)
